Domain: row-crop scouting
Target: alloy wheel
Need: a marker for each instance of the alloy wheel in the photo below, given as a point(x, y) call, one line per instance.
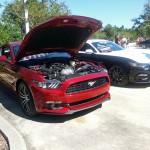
point(118, 76)
point(26, 99)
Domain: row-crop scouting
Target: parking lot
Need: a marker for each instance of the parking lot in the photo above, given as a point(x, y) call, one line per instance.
point(123, 123)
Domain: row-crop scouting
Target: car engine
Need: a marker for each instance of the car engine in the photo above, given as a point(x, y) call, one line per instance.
point(62, 70)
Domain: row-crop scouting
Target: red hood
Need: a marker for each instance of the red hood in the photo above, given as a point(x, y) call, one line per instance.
point(61, 34)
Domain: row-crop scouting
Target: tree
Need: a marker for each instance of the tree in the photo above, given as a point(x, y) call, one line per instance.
point(99, 35)
point(143, 21)
point(39, 11)
point(110, 32)
point(9, 33)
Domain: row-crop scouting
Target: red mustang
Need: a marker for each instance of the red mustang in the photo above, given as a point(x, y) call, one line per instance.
point(45, 73)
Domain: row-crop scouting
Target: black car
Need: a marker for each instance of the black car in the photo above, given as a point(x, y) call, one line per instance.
point(124, 66)
point(145, 44)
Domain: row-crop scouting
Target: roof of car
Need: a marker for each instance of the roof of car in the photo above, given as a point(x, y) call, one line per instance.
point(96, 40)
point(15, 43)
point(12, 43)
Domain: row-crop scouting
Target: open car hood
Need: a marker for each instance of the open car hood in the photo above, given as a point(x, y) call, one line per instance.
point(61, 34)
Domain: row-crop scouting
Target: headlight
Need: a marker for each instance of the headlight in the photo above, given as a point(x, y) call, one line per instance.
point(49, 84)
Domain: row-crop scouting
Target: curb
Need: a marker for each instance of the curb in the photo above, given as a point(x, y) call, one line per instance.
point(4, 143)
point(15, 140)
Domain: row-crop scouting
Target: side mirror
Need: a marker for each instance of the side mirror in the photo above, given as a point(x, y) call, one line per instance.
point(89, 51)
point(3, 58)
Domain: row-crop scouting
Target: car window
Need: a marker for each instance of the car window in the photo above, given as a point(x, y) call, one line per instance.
point(114, 46)
point(0, 51)
point(6, 52)
point(102, 47)
point(87, 46)
point(15, 49)
point(107, 46)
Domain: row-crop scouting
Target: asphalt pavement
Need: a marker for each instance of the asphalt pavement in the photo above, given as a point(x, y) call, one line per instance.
point(123, 123)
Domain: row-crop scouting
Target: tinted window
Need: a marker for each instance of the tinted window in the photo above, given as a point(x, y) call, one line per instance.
point(0, 51)
point(15, 49)
point(6, 52)
point(87, 46)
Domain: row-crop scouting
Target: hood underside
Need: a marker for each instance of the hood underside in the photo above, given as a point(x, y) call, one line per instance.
point(61, 34)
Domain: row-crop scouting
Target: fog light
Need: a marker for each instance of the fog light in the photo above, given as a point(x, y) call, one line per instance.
point(58, 104)
point(50, 105)
point(53, 105)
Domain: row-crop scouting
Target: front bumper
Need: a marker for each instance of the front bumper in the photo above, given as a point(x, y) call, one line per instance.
point(70, 102)
point(67, 110)
point(73, 111)
point(139, 76)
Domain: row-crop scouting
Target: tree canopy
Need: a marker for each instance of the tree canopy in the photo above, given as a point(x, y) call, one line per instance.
point(12, 26)
point(142, 23)
point(12, 18)
point(141, 27)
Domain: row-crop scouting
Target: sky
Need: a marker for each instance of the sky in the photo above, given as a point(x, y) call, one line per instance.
point(114, 12)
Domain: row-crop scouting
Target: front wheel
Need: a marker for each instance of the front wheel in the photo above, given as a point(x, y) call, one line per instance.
point(26, 99)
point(118, 76)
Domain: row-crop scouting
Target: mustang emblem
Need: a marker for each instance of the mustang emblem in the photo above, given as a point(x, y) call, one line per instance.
point(91, 83)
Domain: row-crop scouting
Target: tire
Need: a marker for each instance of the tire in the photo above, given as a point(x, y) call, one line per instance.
point(118, 76)
point(26, 99)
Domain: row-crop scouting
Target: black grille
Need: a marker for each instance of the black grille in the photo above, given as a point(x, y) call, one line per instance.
point(87, 100)
point(87, 85)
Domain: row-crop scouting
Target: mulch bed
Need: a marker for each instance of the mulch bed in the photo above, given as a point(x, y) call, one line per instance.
point(4, 144)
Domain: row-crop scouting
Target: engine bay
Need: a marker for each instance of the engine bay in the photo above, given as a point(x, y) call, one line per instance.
point(62, 69)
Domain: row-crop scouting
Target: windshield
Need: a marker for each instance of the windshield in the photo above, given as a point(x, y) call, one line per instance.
point(114, 46)
point(15, 49)
point(107, 46)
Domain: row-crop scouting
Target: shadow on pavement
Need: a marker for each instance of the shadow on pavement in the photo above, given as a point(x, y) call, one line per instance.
point(9, 100)
point(134, 85)
point(138, 86)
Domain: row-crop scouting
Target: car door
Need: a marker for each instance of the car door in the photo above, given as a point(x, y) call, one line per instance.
point(7, 74)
